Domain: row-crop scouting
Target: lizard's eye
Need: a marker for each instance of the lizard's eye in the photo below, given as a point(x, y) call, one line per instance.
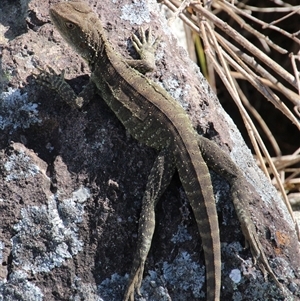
point(70, 25)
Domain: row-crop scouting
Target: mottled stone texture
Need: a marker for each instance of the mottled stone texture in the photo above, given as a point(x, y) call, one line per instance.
point(72, 182)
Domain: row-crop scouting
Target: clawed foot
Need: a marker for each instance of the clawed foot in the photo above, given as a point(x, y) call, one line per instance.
point(146, 43)
point(241, 205)
point(135, 282)
point(48, 76)
point(145, 46)
point(50, 79)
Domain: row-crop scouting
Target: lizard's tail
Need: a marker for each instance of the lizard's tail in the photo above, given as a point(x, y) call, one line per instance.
point(196, 181)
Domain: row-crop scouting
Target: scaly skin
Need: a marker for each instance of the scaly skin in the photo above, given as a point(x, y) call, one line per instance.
point(153, 117)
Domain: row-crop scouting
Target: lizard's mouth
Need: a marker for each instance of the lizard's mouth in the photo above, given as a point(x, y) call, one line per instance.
point(53, 17)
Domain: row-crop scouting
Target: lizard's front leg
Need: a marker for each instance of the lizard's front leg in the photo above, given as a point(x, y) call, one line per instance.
point(159, 178)
point(145, 46)
point(57, 82)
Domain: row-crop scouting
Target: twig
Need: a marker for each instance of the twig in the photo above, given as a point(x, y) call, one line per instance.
point(246, 44)
point(231, 9)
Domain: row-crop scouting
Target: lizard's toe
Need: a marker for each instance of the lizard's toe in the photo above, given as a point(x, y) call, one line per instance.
point(134, 284)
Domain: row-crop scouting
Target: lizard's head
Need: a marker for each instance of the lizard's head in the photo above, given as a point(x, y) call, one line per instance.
point(79, 26)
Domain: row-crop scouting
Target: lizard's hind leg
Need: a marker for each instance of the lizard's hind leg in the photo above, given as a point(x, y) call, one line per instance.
point(222, 164)
point(159, 178)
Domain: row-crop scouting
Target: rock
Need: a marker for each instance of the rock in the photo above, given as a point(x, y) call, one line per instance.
point(72, 181)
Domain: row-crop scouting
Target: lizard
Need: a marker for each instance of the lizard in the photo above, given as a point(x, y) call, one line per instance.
point(155, 118)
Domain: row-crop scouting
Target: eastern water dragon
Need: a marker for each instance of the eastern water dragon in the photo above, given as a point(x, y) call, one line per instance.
point(154, 118)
